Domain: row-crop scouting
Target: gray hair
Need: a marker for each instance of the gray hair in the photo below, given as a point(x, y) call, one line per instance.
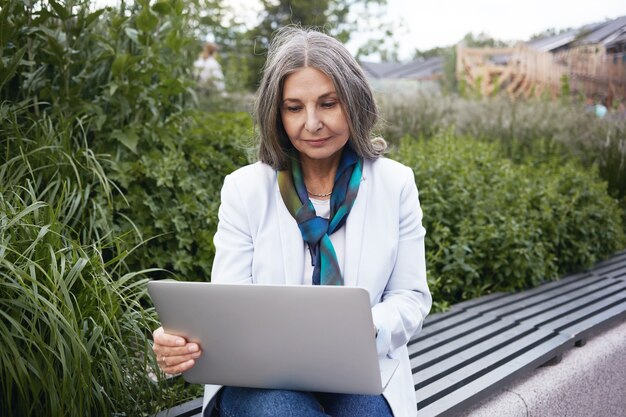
point(294, 48)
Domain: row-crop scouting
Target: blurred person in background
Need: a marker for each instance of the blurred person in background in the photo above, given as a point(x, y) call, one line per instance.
point(207, 71)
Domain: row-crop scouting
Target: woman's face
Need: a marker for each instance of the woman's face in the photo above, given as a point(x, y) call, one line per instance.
point(313, 117)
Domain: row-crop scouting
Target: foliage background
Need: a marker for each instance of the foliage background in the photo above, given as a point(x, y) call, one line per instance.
point(110, 170)
point(496, 225)
point(537, 129)
point(107, 174)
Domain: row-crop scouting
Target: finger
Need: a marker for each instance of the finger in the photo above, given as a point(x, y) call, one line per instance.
point(166, 339)
point(169, 361)
point(176, 369)
point(176, 351)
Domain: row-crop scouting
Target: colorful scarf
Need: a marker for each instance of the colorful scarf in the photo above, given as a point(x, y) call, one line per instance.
point(316, 230)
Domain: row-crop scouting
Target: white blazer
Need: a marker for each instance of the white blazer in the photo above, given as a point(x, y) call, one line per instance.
point(258, 241)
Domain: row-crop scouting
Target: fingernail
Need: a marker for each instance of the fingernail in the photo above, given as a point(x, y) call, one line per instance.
point(193, 348)
point(180, 342)
point(196, 355)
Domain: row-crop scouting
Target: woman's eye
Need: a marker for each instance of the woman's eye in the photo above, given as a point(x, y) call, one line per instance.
point(329, 104)
point(293, 108)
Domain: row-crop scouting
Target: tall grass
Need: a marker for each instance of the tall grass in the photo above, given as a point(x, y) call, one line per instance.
point(72, 323)
point(90, 101)
point(536, 128)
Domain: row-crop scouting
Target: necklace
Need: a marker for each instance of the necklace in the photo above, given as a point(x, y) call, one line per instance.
point(319, 195)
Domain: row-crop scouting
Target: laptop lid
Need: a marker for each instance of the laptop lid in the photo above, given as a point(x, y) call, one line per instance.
point(309, 338)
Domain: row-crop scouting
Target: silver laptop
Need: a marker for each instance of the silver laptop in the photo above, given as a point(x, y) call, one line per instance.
point(309, 338)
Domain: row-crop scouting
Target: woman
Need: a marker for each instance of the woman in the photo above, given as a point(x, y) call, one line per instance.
point(321, 207)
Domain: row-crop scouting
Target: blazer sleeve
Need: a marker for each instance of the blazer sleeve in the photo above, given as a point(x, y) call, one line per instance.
point(406, 299)
point(233, 241)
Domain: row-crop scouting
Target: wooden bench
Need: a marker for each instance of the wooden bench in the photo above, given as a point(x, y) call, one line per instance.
point(463, 355)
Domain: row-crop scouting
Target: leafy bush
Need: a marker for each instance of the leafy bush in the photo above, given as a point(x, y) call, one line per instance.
point(493, 225)
point(172, 193)
point(125, 76)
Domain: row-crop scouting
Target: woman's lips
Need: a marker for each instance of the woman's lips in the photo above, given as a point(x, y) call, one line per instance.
point(316, 142)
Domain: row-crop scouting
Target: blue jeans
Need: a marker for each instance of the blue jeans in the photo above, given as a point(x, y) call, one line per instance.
point(252, 402)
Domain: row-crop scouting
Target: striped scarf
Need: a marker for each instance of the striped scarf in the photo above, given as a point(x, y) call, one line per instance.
point(316, 230)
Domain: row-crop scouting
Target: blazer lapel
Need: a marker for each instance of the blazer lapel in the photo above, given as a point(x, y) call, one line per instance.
point(354, 233)
point(292, 243)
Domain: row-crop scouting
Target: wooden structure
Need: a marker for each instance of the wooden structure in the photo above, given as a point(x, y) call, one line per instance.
point(522, 71)
point(469, 352)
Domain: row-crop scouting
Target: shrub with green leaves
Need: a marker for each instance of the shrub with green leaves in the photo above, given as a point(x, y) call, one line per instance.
point(171, 193)
point(494, 225)
point(125, 75)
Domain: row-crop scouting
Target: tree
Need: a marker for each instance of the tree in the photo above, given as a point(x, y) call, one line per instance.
point(430, 53)
point(548, 33)
point(482, 40)
point(330, 16)
point(386, 50)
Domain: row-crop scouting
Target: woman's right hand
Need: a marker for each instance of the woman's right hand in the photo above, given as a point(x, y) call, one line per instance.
point(173, 353)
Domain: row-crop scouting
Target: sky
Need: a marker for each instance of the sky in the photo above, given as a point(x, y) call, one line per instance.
point(424, 24)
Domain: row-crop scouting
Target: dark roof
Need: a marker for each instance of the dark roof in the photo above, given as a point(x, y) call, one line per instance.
point(418, 69)
point(551, 43)
point(600, 32)
point(378, 69)
point(619, 40)
point(607, 32)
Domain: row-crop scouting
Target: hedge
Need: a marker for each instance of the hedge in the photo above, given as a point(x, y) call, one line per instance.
point(495, 225)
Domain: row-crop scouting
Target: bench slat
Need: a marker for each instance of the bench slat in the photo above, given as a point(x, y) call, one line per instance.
point(445, 324)
point(191, 408)
point(545, 290)
point(598, 319)
point(502, 341)
point(480, 388)
point(460, 343)
point(566, 306)
point(543, 300)
point(610, 266)
point(476, 368)
point(424, 345)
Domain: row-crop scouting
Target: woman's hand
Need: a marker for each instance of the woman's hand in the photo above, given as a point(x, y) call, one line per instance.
point(173, 353)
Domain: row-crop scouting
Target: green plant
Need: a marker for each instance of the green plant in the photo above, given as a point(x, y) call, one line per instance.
point(566, 89)
point(494, 225)
point(533, 128)
point(127, 80)
point(80, 91)
point(172, 193)
point(72, 323)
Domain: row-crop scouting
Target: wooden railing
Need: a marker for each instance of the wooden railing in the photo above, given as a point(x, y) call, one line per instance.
point(524, 71)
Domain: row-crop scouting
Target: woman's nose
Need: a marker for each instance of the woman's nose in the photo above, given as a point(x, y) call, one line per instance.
point(313, 122)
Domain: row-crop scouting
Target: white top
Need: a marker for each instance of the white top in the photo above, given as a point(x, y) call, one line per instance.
point(322, 209)
point(208, 72)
